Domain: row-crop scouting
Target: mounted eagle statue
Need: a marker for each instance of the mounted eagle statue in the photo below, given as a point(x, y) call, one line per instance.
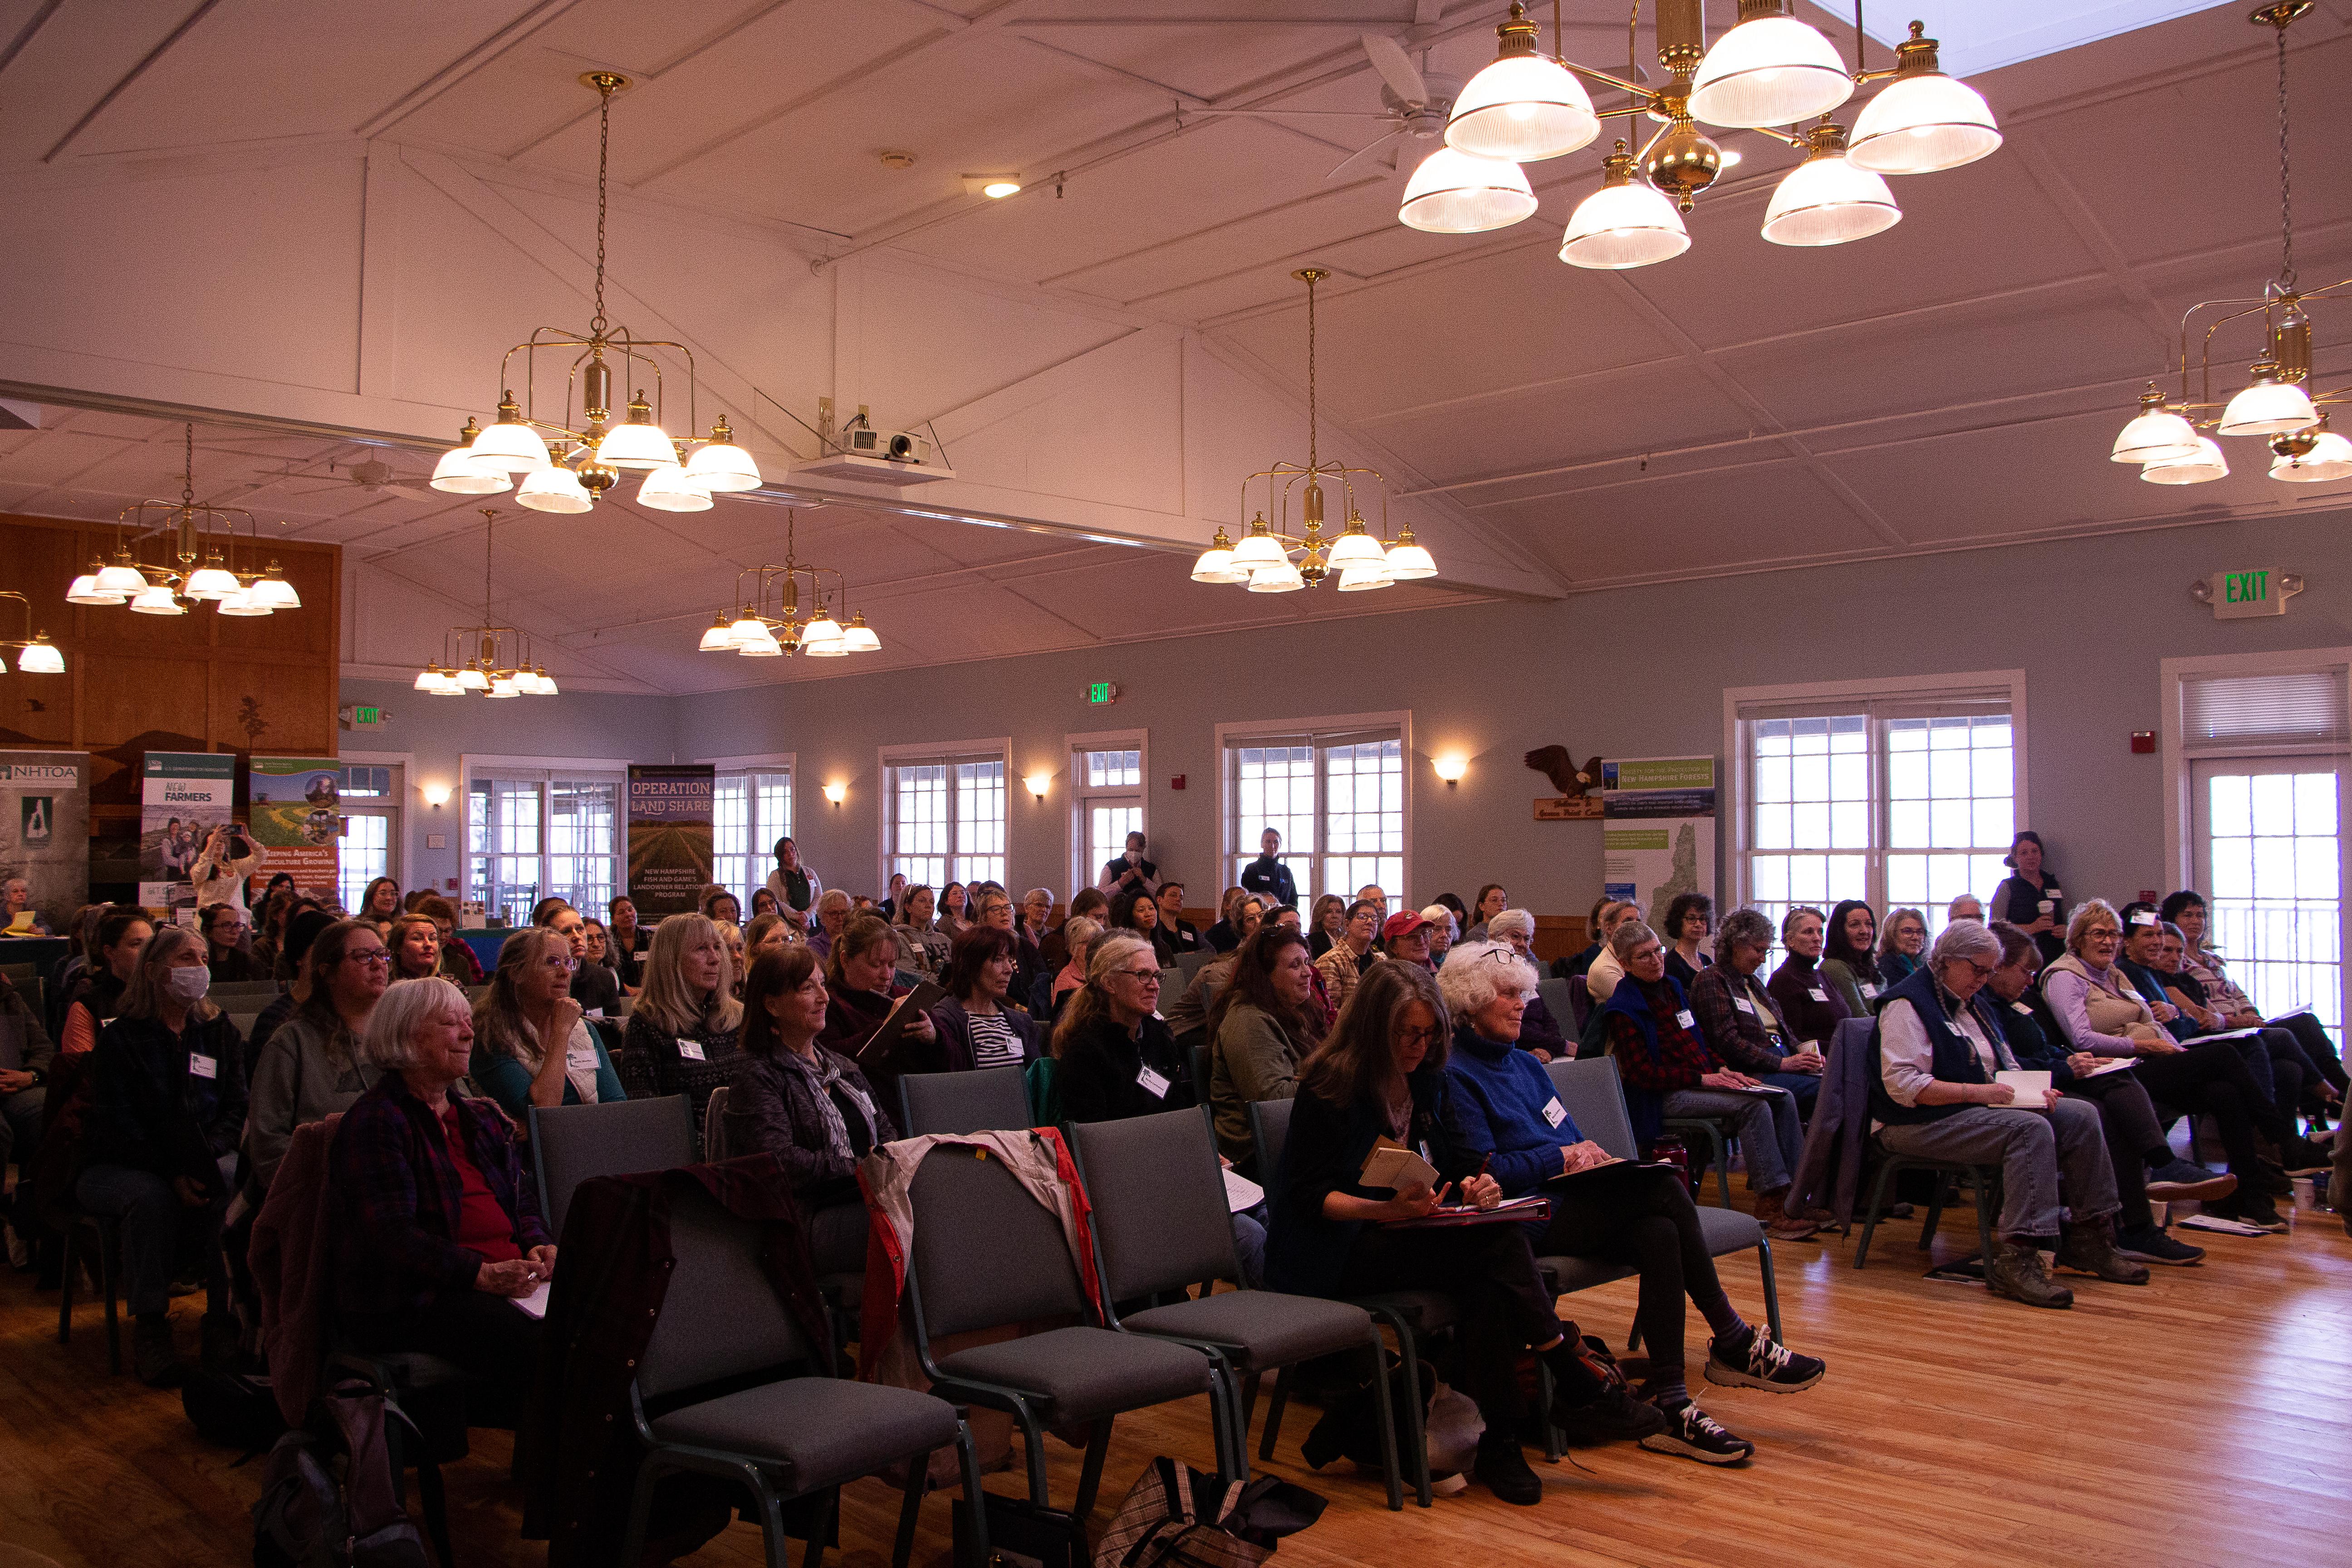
point(1555, 764)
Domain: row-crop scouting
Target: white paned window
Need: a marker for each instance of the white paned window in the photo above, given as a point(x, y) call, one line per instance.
point(1904, 797)
point(943, 817)
point(537, 834)
point(1106, 802)
point(751, 809)
point(369, 846)
point(1335, 791)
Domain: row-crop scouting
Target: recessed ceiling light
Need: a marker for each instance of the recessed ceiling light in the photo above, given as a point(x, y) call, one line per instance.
point(996, 187)
point(896, 158)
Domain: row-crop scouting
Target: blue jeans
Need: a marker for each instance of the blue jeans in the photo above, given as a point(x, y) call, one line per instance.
point(1769, 1134)
point(158, 1230)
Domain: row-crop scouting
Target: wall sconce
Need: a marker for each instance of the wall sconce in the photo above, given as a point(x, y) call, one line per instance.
point(836, 793)
point(1450, 769)
point(437, 795)
point(1039, 784)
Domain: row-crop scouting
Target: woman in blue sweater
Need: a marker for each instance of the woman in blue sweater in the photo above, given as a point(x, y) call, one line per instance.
point(1507, 1114)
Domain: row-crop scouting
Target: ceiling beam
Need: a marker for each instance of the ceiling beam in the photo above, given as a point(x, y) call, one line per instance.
point(122, 83)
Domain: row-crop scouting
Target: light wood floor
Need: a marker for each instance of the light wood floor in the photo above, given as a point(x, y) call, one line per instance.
point(2204, 1419)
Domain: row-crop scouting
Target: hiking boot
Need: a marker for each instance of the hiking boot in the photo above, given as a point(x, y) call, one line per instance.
point(1613, 1417)
point(2090, 1248)
point(1763, 1364)
point(1503, 1471)
point(2149, 1244)
point(1695, 1434)
point(2019, 1273)
point(1777, 1222)
point(152, 1354)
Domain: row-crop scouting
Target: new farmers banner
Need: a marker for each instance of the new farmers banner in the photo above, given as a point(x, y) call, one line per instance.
point(184, 795)
point(1658, 834)
point(669, 836)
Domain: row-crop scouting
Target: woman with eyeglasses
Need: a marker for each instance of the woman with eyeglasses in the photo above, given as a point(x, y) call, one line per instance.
point(1936, 1046)
point(808, 1106)
point(532, 1043)
point(1117, 1059)
point(310, 1067)
point(1902, 946)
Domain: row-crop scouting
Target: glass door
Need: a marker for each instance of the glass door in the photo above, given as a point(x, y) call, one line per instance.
point(2270, 856)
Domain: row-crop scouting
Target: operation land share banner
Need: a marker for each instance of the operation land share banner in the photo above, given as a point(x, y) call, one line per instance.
point(669, 836)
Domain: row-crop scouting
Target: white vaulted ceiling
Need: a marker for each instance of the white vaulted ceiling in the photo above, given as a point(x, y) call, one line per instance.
point(315, 236)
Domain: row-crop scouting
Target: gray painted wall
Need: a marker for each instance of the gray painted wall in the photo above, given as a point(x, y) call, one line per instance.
point(1634, 672)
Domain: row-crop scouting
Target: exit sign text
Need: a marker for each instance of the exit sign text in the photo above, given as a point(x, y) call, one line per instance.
point(2250, 591)
point(1102, 691)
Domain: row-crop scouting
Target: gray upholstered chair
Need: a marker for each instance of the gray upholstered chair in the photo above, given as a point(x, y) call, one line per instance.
point(1408, 1314)
point(1161, 1222)
point(990, 1100)
point(714, 1125)
point(570, 1143)
point(987, 1254)
point(783, 1438)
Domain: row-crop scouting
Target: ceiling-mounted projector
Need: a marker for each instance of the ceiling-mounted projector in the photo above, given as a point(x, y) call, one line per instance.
point(877, 457)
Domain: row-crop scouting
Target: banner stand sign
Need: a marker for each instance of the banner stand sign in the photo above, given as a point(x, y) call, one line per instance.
point(298, 820)
point(1658, 841)
point(184, 795)
point(45, 836)
point(669, 836)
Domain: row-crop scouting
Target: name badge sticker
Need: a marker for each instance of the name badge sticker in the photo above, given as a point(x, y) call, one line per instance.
point(1744, 1005)
point(1153, 1084)
point(2021, 1007)
point(1817, 993)
point(691, 1050)
point(203, 1066)
point(1685, 1020)
point(1869, 992)
point(1555, 1113)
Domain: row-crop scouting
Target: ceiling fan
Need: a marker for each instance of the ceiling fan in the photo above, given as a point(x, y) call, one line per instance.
point(371, 474)
point(1415, 104)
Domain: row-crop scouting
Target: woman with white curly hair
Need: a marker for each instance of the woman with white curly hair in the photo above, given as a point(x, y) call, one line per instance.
point(1506, 1113)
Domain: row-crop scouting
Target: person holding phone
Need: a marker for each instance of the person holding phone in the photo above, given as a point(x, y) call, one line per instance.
point(1936, 1048)
point(1128, 872)
point(222, 872)
point(1381, 1075)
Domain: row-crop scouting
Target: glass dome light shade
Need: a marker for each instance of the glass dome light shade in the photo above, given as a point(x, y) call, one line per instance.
point(1922, 124)
point(1282, 579)
point(672, 488)
point(831, 647)
point(2330, 457)
point(721, 464)
point(2204, 464)
point(503, 687)
point(509, 446)
point(1216, 566)
point(1825, 200)
point(1259, 549)
point(2157, 435)
point(554, 489)
point(1620, 227)
point(41, 657)
point(824, 628)
point(1460, 193)
point(719, 636)
point(461, 474)
point(1356, 548)
point(1771, 70)
point(1523, 108)
point(86, 591)
point(157, 600)
point(120, 580)
point(241, 603)
point(212, 582)
point(547, 687)
point(448, 685)
point(858, 638)
point(1363, 579)
point(275, 591)
point(2268, 406)
point(749, 629)
point(428, 678)
point(1408, 560)
point(635, 446)
point(471, 677)
point(757, 643)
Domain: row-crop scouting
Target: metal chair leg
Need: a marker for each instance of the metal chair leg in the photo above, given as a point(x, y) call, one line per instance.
point(1870, 1218)
point(1984, 1215)
point(641, 1503)
point(1722, 1167)
point(109, 1284)
point(1772, 1286)
point(1274, 1414)
point(1090, 1477)
point(436, 1502)
point(919, 1469)
point(975, 1499)
point(1388, 1424)
point(1416, 1433)
point(1944, 1180)
point(65, 1285)
point(821, 1526)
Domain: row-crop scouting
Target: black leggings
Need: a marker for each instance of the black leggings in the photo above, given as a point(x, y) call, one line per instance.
point(2211, 1078)
point(488, 1337)
point(1645, 1218)
point(2128, 1121)
point(1491, 1272)
point(2319, 1050)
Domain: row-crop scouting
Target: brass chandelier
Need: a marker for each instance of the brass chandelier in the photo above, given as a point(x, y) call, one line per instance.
point(766, 619)
point(1363, 560)
point(203, 568)
point(497, 658)
point(567, 464)
point(2276, 404)
point(1770, 69)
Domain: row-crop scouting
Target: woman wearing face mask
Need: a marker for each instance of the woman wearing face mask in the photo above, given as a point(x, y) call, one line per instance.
point(310, 1065)
point(808, 1106)
point(1808, 1002)
point(862, 990)
point(167, 1101)
point(684, 1033)
point(1263, 1024)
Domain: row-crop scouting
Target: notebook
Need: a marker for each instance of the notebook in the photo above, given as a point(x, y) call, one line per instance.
point(1447, 1217)
point(2031, 1088)
point(1392, 1164)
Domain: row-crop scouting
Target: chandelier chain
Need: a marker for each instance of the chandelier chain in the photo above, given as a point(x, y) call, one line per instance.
point(604, 150)
point(188, 469)
point(2286, 202)
point(1312, 460)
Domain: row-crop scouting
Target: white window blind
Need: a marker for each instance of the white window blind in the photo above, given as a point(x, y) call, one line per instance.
point(1338, 798)
point(2299, 708)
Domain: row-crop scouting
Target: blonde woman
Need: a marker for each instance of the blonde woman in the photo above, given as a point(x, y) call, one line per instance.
point(532, 1043)
point(684, 1035)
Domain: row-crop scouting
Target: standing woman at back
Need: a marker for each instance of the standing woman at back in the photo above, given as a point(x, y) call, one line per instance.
point(2030, 898)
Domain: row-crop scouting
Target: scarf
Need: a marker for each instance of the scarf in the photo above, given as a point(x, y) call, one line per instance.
point(827, 1072)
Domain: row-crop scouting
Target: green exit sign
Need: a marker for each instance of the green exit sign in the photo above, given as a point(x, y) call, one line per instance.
point(2250, 591)
point(1102, 691)
point(365, 714)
